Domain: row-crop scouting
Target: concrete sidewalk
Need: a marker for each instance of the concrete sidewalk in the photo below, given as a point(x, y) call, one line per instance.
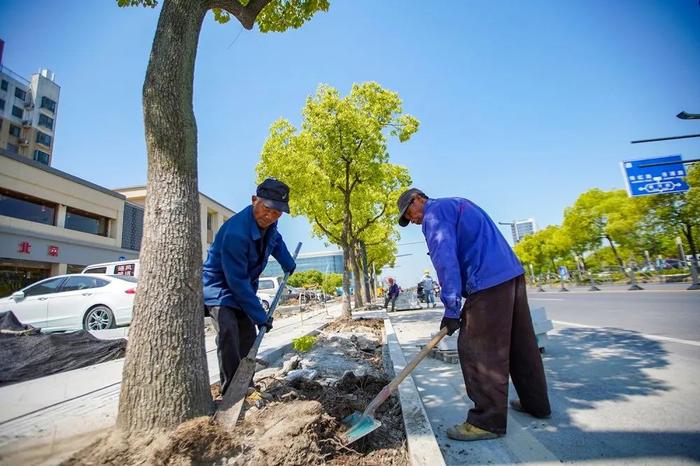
point(42, 421)
point(616, 399)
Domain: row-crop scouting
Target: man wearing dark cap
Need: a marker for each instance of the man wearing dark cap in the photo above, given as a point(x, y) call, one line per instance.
point(230, 274)
point(496, 338)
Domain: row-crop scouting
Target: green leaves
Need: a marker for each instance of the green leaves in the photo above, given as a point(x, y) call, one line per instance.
point(280, 15)
point(337, 165)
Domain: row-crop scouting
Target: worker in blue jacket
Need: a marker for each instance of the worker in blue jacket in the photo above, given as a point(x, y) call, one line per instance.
point(474, 263)
point(230, 273)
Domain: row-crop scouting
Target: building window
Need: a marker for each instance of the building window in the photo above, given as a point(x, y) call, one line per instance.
point(25, 207)
point(48, 104)
point(45, 121)
point(43, 138)
point(80, 220)
point(20, 94)
point(17, 112)
point(3, 86)
point(42, 157)
point(2, 104)
point(12, 148)
point(14, 130)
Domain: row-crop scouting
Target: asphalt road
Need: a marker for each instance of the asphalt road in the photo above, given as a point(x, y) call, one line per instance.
point(624, 375)
point(666, 310)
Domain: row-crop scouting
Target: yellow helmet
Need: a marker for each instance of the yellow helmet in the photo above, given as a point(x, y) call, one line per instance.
point(426, 272)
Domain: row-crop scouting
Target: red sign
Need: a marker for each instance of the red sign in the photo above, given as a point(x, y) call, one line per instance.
point(25, 247)
point(53, 251)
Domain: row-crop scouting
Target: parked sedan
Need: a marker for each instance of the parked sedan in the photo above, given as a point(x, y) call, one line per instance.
point(75, 301)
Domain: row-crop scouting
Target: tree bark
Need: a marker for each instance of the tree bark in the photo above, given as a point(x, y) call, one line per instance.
point(357, 278)
point(165, 377)
point(688, 233)
point(347, 310)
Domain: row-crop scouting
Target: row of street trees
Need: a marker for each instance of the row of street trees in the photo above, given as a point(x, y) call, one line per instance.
point(609, 226)
point(337, 167)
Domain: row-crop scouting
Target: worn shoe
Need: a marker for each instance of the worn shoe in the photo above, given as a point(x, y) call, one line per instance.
point(468, 433)
point(516, 405)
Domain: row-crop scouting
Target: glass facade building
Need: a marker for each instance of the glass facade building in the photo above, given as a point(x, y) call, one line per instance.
point(325, 261)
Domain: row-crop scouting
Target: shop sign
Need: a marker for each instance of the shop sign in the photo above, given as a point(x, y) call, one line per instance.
point(53, 251)
point(25, 247)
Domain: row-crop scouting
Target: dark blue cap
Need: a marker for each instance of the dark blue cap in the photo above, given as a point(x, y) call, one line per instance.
point(274, 194)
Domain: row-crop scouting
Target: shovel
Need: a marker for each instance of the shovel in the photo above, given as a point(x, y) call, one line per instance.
point(361, 424)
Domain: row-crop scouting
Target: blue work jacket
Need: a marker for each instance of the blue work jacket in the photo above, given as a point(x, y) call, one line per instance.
point(468, 251)
point(234, 264)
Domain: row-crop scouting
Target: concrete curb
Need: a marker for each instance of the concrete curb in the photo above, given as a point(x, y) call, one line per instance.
point(423, 449)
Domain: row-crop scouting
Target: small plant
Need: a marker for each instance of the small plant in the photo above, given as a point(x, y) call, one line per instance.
point(303, 344)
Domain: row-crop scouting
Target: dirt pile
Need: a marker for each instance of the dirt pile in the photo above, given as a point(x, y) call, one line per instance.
point(289, 421)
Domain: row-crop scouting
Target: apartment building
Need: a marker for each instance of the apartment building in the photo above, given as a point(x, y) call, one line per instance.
point(212, 213)
point(28, 111)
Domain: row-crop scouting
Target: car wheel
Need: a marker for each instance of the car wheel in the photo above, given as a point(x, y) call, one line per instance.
point(99, 317)
point(266, 305)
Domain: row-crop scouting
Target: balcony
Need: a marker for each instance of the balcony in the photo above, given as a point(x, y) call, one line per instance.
point(23, 142)
point(27, 123)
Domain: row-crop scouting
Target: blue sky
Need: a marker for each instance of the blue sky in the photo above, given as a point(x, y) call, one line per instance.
point(523, 105)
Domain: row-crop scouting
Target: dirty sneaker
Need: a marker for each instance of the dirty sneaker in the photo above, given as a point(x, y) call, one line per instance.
point(468, 432)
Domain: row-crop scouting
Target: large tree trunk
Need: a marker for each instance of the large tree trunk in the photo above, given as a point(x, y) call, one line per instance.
point(165, 380)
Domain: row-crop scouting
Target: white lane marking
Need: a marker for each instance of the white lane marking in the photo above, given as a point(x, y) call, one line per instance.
point(546, 299)
point(645, 335)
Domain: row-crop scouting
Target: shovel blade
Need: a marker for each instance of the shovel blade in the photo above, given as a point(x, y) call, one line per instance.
point(360, 425)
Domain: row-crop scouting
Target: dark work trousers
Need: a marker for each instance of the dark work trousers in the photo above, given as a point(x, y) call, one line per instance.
point(392, 300)
point(497, 338)
point(235, 338)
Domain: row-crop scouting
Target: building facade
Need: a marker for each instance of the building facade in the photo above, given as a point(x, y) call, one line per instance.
point(212, 213)
point(324, 261)
point(53, 223)
point(28, 112)
point(522, 228)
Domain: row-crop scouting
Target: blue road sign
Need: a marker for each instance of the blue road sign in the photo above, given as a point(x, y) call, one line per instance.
point(643, 180)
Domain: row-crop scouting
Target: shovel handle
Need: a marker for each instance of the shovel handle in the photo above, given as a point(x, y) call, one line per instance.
point(393, 385)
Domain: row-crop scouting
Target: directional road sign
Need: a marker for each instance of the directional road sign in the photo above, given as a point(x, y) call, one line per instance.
point(643, 180)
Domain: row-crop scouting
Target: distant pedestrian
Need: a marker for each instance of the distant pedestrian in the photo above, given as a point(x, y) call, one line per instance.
point(496, 337)
point(428, 289)
point(391, 294)
point(230, 274)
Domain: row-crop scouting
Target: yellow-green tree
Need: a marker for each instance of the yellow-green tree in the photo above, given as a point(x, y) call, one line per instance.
point(678, 214)
point(598, 215)
point(337, 164)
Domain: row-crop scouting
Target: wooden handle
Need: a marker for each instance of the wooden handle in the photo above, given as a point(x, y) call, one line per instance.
point(415, 361)
point(389, 389)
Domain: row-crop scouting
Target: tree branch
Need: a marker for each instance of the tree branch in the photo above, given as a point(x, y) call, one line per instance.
point(325, 230)
point(245, 14)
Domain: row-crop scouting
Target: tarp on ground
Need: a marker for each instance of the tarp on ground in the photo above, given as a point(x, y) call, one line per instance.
point(26, 353)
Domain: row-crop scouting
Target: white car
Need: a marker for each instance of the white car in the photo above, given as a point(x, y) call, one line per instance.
point(74, 302)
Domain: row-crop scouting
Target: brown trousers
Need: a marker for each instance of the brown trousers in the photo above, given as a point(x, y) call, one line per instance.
point(497, 338)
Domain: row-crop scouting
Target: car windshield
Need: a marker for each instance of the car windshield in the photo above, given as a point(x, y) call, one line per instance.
point(126, 278)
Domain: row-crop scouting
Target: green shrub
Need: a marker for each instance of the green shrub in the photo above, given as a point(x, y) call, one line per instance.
point(303, 344)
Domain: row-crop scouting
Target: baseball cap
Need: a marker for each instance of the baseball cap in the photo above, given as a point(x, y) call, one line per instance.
point(274, 194)
point(404, 201)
